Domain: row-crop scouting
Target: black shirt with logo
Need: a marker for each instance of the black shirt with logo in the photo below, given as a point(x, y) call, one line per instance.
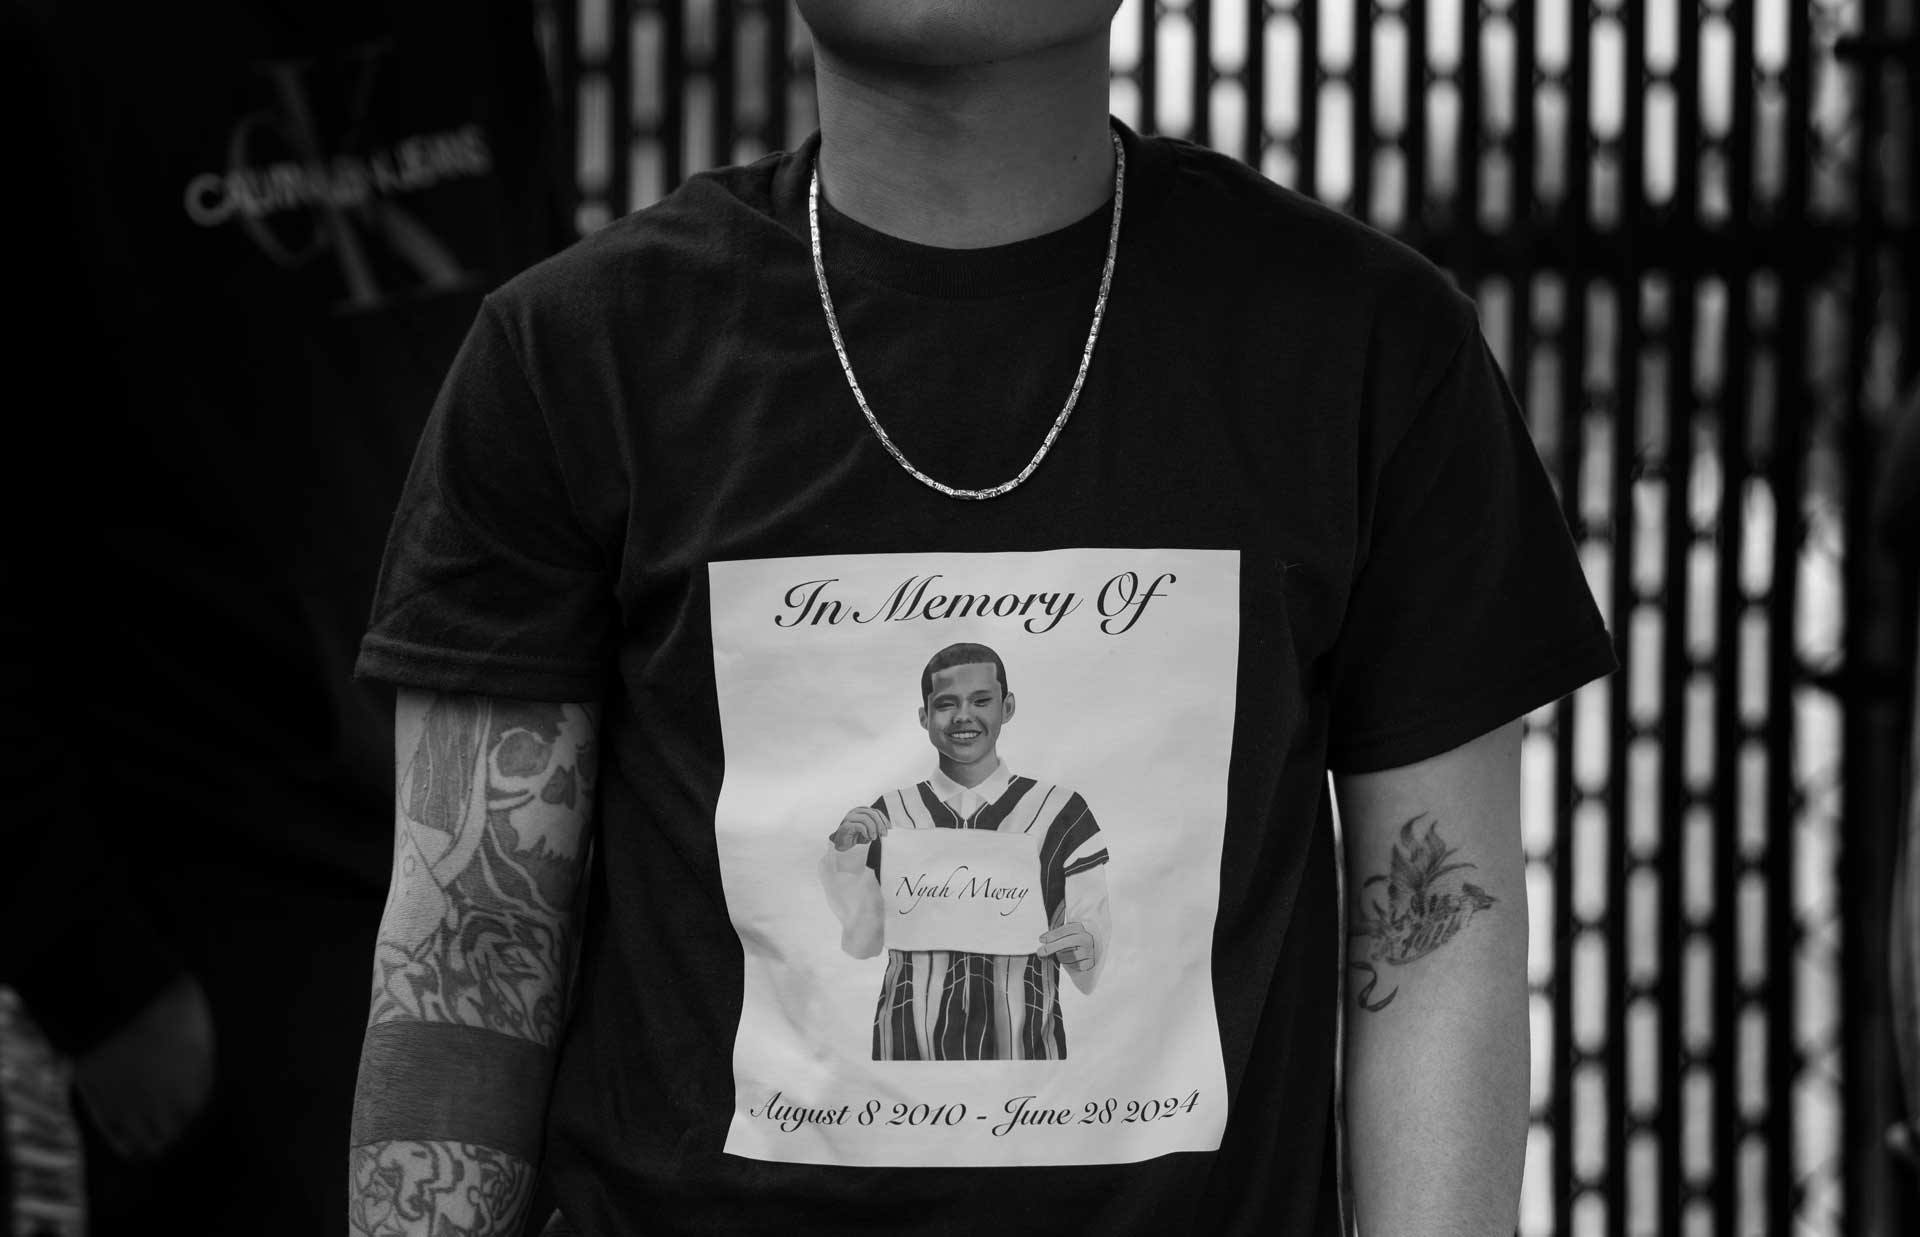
point(249, 239)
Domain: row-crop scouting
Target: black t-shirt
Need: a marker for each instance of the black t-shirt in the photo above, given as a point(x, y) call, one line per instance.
point(1295, 523)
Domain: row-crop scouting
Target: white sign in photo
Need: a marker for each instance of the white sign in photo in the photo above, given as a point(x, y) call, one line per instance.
point(968, 889)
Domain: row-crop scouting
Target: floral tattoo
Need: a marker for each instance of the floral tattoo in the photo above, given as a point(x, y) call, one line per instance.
point(1419, 915)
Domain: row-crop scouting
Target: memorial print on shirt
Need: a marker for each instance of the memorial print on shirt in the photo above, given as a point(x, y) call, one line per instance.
point(978, 924)
point(970, 837)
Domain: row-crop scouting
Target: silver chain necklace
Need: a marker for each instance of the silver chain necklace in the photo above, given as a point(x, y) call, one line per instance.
point(1086, 354)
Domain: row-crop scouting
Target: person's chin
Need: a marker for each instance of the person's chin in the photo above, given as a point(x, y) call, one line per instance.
point(949, 33)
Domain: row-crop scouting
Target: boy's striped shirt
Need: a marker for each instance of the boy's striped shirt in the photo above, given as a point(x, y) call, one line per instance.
point(951, 1005)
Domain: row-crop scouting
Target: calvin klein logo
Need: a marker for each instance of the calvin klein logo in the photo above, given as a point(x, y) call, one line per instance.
point(278, 166)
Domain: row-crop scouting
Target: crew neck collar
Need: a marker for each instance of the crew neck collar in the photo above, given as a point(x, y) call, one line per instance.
point(989, 790)
point(854, 251)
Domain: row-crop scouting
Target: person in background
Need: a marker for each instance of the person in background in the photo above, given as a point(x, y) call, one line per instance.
point(254, 237)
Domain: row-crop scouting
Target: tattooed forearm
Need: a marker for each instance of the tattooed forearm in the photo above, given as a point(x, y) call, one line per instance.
point(470, 963)
point(436, 1189)
point(1422, 912)
point(492, 804)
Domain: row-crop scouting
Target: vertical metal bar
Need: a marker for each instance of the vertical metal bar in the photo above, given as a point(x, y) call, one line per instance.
point(1360, 108)
point(780, 71)
point(1149, 64)
point(1904, 115)
point(1865, 806)
point(1786, 471)
point(726, 101)
point(1521, 199)
point(1525, 126)
point(1730, 602)
point(1525, 334)
point(566, 89)
point(1675, 671)
point(619, 70)
point(1253, 80)
point(1200, 14)
point(1307, 172)
point(1674, 658)
point(1466, 255)
point(1629, 318)
point(1414, 135)
point(673, 96)
point(1573, 402)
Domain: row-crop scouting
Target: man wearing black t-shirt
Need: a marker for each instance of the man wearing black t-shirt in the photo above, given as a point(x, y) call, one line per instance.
point(972, 324)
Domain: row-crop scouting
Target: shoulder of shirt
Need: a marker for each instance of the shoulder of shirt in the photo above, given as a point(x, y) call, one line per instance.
point(1060, 790)
point(712, 221)
point(1226, 224)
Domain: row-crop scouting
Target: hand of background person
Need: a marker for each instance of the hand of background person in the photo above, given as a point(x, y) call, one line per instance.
point(145, 1084)
point(859, 827)
point(1071, 943)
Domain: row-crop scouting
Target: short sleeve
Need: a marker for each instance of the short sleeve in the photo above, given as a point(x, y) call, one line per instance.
point(490, 583)
point(1469, 607)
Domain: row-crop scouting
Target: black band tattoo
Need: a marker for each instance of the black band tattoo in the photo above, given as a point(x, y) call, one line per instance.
point(1419, 916)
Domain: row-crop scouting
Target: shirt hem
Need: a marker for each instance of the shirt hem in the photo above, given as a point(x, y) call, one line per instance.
point(405, 664)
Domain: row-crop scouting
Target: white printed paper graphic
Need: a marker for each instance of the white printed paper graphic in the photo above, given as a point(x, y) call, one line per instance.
point(970, 834)
point(967, 889)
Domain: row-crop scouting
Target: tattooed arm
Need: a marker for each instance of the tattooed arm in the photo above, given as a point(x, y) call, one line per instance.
point(471, 964)
point(1436, 1055)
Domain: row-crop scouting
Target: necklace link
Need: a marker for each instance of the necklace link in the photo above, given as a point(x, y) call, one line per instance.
point(1086, 353)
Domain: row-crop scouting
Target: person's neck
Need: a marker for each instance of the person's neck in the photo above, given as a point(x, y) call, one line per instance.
point(965, 158)
point(970, 776)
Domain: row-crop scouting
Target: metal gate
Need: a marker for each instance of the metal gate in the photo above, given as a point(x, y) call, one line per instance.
point(1687, 226)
